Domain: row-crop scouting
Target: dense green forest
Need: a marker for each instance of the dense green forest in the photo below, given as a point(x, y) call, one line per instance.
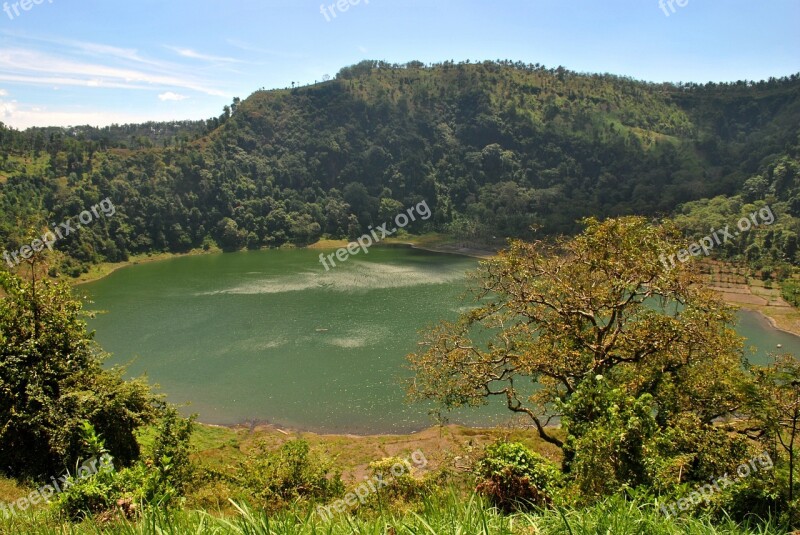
point(494, 148)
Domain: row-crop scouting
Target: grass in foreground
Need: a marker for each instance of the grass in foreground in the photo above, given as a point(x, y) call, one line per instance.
point(444, 515)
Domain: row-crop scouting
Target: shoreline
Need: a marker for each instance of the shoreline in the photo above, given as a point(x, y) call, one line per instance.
point(772, 321)
point(357, 451)
point(483, 254)
point(434, 244)
point(101, 271)
point(780, 315)
point(737, 287)
point(290, 430)
point(437, 243)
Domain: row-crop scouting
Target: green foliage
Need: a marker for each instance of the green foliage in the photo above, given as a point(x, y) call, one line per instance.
point(771, 246)
point(757, 496)
point(692, 452)
point(170, 452)
point(513, 477)
point(84, 497)
point(88, 492)
point(446, 512)
point(618, 515)
point(790, 291)
point(153, 482)
point(607, 430)
point(93, 442)
point(404, 486)
point(775, 409)
point(52, 384)
point(274, 479)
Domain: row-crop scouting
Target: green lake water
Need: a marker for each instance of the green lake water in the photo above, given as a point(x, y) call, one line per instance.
point(269, 336)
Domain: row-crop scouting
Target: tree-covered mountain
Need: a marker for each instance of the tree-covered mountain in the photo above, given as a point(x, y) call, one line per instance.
point(492, 147)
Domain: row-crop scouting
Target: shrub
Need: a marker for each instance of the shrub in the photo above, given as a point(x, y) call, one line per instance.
point(170, 451)
point(85, 496)
point(790, 291)
point(691, 452)
point(757, 496)
point(514, 478)
point(52, 381)
point(150, 483)
point(399, 473)
point(275, 479)
point(90, 489)
point(607, 429)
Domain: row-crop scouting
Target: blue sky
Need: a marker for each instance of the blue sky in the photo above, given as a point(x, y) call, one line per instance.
point(66, 62)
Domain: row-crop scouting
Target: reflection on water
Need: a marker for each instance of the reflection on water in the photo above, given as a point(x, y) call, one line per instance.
point(355, 276)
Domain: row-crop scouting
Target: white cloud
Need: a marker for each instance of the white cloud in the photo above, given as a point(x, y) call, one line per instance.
point(19, 116)
point(169, 95)
point(7, 110)
point(3, 93)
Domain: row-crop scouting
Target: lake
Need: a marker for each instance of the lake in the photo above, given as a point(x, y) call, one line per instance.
point(269, 336)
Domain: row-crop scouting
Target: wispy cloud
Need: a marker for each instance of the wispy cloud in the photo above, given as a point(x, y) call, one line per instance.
point(192, 54)
point(41, 68)
point(84, 48)
point(108, 51)
point(249, 48)
point(57, 81)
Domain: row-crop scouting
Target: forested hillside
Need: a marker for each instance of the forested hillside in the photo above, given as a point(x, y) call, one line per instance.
point(494, 148)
